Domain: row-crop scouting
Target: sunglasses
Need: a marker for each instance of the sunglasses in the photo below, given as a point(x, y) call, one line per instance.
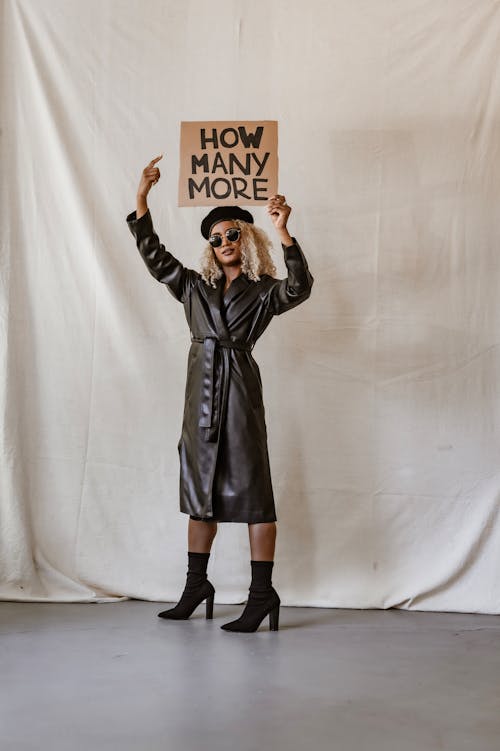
point(232, 234)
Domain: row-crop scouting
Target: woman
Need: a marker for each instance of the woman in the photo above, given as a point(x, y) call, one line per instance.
point(224, 462)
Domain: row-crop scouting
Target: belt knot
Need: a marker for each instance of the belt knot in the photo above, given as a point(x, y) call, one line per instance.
point(209, 417)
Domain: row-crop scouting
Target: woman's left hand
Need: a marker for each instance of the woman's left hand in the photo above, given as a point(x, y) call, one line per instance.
point(279, 211)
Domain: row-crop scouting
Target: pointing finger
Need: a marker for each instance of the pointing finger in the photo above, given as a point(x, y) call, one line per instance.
point(156, 159)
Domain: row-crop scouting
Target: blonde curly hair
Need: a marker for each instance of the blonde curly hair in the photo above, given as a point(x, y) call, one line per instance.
point(255, 255)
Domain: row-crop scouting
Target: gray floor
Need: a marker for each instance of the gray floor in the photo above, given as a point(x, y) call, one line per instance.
point(114, 676)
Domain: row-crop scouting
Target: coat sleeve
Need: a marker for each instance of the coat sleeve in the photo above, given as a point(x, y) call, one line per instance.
point(160, 262)
point(285, 294)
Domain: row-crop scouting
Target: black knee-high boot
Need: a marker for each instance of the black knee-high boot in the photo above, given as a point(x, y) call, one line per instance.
point(197, 589)
point(262, 600)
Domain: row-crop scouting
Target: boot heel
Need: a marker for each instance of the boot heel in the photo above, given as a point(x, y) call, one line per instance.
point(210, 607)
point(274, 617)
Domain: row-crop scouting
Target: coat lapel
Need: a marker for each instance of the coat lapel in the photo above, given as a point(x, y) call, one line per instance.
point(217, 300)
point(236, 286)
point(214, 297)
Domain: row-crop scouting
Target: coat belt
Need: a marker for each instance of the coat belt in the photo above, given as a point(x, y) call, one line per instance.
point(210, 343)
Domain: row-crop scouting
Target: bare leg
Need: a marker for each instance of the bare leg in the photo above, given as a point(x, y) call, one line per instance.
point(201, 536)
point(262, 541)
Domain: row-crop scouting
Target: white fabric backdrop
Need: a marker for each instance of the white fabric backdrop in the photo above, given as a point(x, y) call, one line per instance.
point(381, 391)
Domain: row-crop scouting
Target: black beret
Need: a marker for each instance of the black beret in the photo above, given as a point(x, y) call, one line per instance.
point(224, 214)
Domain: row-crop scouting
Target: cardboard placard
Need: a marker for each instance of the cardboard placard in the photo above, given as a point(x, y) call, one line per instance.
point(228, 163)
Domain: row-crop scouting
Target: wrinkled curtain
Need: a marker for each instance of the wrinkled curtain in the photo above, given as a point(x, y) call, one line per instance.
point(381, 391)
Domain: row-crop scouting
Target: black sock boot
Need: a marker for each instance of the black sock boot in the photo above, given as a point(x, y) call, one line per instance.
point(262, 600)
point(197, 589)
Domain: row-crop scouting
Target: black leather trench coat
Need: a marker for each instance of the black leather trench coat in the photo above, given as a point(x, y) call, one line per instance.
point(224, 462)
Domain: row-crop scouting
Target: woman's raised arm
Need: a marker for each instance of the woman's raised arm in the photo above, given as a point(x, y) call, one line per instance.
point(287, 293)
point(162, 265)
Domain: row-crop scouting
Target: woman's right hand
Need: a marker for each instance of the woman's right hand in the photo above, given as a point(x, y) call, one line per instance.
point(150, 176)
